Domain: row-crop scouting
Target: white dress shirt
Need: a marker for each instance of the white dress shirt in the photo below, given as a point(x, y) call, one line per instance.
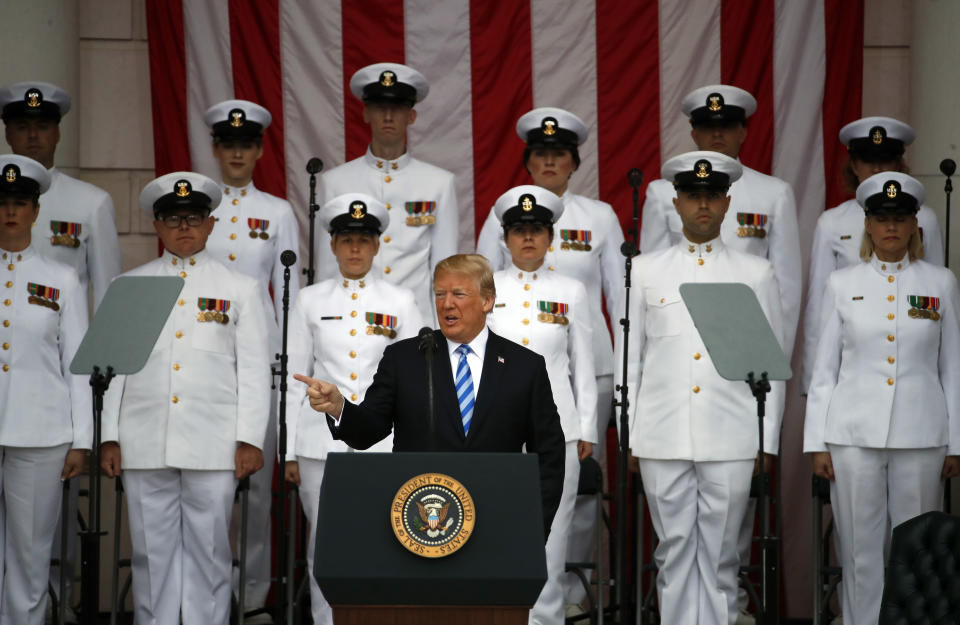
point(753, 196)
point(424, 220)
point(206, 384)
point(885, 377)
point(335, 334)
point(563, 339)
point(44, 405)
point(92, 250)
point(836, 244)
point(680, 407)
point(478, 348)
point(598, 265)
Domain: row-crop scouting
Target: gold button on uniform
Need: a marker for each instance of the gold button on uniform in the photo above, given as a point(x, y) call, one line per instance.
point(386, 239)
point(890, 298)
point(233, 257)
point(386, 270)
point(354, 296)
point(174, 261)
point(387, 179)
point(235, 201)
point(233, 219)
point(890, 359)
point(175, 399)
point(233, 236)
point(889, 381)
point(176, 367)
point(696, 356)
point(181, 302)
point(550, 248)
point(353, 397)
point(6, 367)
point(353, 354)
point(6, 302)
point(388, 206)
point(889, 278)
point(526, 304)
point(353, 332)
point(890, 316)
point(183, 274)
point(6, 323)
point(699, 261)
point(353, 313)
point(526, 341)
point(9, 284)
point(10, 266)
point(526, 322)
point(353, 376)
point(696, 389)
point(179, 334)
point(526, 287)
point(6, 346)
point(890, 338)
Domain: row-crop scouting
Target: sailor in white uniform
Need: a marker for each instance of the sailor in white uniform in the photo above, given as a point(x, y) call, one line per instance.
point(420, 197)
point(548, 313)
point(338, 331)
point(251, 229)
point(874, 144)
point(695, 434)
point(883, 410)
point(191, 423)
point(45, 424)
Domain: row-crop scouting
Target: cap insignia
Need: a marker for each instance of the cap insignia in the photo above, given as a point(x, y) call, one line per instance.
point(183, 188)
point(10, 173)
point(526, 203)
point(714, 102)
point(549, 126)
point(358, 209)
point(237, 118)
point(892, 189)
point(878, 134)
point(387, 78)
point(33, 98)
point(702, 169)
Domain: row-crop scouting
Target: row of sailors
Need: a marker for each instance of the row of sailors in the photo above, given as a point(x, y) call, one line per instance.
point(251, 228)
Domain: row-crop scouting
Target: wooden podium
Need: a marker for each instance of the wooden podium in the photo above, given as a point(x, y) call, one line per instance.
point(370, 577)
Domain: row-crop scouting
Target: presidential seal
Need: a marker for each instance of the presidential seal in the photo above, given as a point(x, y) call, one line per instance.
point(432, 515)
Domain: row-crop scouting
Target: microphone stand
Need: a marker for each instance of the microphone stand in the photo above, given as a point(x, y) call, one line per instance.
point(947, 167)
point(314, 166)
point(635, 178)
point(428, 346)
point(284, 606)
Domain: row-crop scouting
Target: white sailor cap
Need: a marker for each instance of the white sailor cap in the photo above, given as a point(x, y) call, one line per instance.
point(890, 193)
point(549, 127)
point(528, 204)
point(237, 119)
point(877, 139)
point(389, 82)
point(702, 169)
point(33, 99)
point(353, 212)
point(718, 104)
point(20, 175)
point(180, 189)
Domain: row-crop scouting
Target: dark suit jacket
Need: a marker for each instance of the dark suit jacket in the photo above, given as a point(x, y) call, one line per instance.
point(514, 406)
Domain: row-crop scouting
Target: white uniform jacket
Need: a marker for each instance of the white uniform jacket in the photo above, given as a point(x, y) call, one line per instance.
point(549, 314)
point(206, 385)
point(424, 220)
point(338, 331)
point(755, 199)
point(243, 217)
point(586, 246)
point(836, 244)
point(44, 317)
point(76, 226)
point(680, 407)
point(884, 376)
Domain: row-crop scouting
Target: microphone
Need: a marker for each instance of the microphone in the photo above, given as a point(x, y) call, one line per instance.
point(629, 249)
point(287, 258)
point(425, 337)
point(314, 165)
point(635, 178)
point(948, 166)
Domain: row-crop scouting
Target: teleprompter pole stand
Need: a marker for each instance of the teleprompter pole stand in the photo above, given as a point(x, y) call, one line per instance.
point(769, 610)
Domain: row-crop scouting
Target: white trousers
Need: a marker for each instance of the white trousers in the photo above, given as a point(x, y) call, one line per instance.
point(259, 507)
point(311, 475)
point(696, 509)
point(180, 534)
point(874, 491)
point(548, 610)
point(583, 529)
point(29, 511)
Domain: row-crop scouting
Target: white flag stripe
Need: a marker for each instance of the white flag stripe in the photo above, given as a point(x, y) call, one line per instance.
point(565, 73)
point(689, 58)
point(443, 132)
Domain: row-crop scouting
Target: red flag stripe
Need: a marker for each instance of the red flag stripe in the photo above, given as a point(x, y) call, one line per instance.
point(628, 107)
point(746, 61)
point(372, 33)
point(168, 85)
point(841, 104)
point(257, 76)
point(502, 78)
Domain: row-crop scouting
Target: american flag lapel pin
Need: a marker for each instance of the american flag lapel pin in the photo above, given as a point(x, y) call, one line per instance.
point(500, 359)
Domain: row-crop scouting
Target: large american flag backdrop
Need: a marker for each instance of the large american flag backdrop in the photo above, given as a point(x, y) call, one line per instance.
point(621, 65)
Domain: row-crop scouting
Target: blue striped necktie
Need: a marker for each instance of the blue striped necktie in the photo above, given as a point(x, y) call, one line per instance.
point(464, 383)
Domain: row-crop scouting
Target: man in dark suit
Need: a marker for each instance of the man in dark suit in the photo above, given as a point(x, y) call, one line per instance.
point(512, 408)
